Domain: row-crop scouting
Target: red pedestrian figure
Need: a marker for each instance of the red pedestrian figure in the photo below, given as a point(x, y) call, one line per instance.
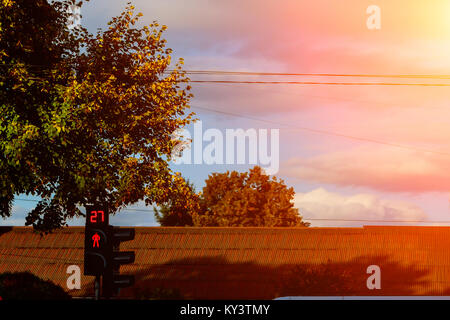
point(96, 237)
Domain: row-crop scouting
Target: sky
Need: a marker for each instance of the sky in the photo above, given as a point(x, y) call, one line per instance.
point(382, 152)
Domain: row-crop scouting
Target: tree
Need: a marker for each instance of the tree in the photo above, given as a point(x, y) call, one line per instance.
point(249, 199)
point(85, 118)
point(234, 199)
point(178, 211)
point(27, 286)
point(34, 42)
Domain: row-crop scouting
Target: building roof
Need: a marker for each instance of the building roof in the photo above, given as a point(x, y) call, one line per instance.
point(249, 263)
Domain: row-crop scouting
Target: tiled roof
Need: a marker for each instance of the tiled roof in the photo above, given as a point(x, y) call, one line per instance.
point(250, 263)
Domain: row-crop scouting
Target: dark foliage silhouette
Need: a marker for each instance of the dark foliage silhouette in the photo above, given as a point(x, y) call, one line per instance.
point(27, 286)
point(218, 278)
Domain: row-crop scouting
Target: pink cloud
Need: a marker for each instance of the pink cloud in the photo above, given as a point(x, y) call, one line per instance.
point(380, 168)
point(302, 36)
point(334, 208)
point(321, 35)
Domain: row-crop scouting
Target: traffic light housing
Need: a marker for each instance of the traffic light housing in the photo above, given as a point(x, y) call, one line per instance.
point(101, 254)
point(113, 281)
point(97, 244)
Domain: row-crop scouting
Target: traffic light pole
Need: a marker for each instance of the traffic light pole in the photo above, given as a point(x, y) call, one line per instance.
point(97, 287)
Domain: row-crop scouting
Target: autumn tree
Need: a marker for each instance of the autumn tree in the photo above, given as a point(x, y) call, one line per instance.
point(178, 211)
point(234, 199)
point(85, 118)
point(248, 199)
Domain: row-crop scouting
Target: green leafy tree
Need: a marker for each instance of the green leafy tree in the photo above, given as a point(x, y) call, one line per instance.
point(249, 199)
point(178, 211)
point(85, 118)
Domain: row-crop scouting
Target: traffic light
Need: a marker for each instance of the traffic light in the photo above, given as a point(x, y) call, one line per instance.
point(113, 280)
point(97, 245)
point(101, 250)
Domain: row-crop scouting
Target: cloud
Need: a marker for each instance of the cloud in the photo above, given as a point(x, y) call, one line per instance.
point(316, 36)
point(380, 168)
point(133, 218)
point(322, 204)
point(321, 36)
point(17, 217)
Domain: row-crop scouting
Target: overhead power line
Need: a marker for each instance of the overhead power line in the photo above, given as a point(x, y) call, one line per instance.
point(259, 73)
point(324, 132)
point(312, 219)
point(340, 75)
point(370, 220)
point(297, 83)
point(126, 209)
point(350, 75)
point(323, 83)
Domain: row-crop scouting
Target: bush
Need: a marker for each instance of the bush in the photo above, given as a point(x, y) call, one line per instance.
point(27, 286)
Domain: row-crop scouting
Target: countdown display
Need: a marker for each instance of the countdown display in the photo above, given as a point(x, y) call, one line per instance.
point(97, 216)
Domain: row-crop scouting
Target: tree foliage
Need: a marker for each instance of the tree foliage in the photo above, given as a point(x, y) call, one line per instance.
point(248, 199)
point(85, 118)
point(235, 199)
point(178, 211)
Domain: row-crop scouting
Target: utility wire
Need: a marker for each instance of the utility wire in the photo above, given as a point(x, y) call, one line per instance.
point(359, 75)
point(253, 73)
point(295, 83)
point(126, 209)
point(401, 76)
point(324, 132)
point(323, 83)
point(315, 219)
point(368, 220)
